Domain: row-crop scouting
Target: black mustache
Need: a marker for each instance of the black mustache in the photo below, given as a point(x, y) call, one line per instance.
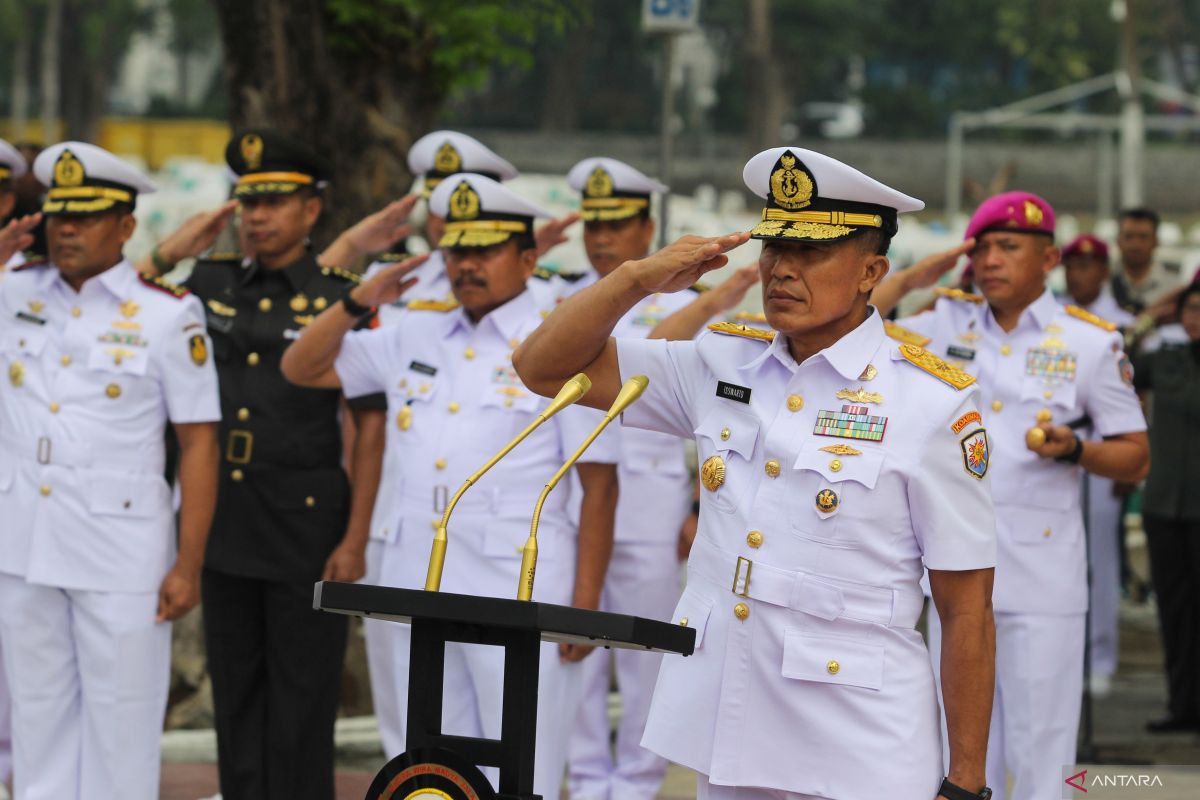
point(468, 279)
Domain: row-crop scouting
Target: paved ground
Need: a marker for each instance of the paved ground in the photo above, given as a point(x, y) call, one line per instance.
point(1138, 694)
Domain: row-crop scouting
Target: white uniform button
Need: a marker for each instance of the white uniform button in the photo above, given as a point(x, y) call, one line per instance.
point(997, 405)
point(65, 361)
point(795, 402)
point(835, 465)
point(833, 667)
point(741, 611)
point(754, 539)
point(45, 490)
point(1005, 350)
point(453, 407)
point(54, 408)
point(725, 434)
point(683, 621)
point(772, 468)
point(440, 463)
point(76, 311)
point(469, 353)
point(1046, 533)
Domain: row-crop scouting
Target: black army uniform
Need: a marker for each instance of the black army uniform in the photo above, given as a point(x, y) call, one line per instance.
point(282, 508)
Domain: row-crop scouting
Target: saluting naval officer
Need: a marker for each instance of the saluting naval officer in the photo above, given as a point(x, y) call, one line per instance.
point(835, 464)
point(1045, 366)
point(286, 514)
point(98, 361)
point(655, 494)
point(453, 401)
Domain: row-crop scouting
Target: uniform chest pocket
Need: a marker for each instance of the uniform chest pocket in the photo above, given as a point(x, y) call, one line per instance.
point(829, 480)
point(1060, 394)
point(725, 442)
point(28, 341)
point(118, 358)
point(833, 660)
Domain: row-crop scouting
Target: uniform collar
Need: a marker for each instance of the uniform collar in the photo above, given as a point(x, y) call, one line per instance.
point(849, 356)
point(117, 279)
point(297, 274)
point(508, 320)
point(1041, 311)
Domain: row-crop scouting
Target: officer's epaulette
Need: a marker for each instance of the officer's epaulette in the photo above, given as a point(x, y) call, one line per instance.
point(163, 285)
point(344, 274)
point(432, 305)
point(221, 257)
point(756, 317)
point(32, 262)
point(1087, 316)
point(699, 288)
point(920, 357)
point(903, 334)
point(733, 329)
point(958, 294)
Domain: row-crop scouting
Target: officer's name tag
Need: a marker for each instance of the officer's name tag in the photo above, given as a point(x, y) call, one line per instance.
point(424, 369)
point(732, 391)
point(963, 353)
point(27, 317)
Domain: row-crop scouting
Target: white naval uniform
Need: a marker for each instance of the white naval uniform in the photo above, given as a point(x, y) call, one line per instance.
point(808, 676)
point(643, 580)
point(453, 384)
point(1104, 529)
point(5, 700)
point(93, 379)
point(1040, 594)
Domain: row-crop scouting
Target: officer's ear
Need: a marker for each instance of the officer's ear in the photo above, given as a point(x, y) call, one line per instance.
point(1051, 256)
point(126, 225)
point(313, 205)
point(874, 269)
point(526, 256)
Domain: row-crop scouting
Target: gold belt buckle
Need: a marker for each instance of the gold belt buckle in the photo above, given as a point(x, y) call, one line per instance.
point(737, 576)
point(242, 441)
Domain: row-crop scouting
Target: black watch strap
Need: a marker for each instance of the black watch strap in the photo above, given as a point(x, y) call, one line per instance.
point(952, 792)
point(1073, 456)
point(352, 308)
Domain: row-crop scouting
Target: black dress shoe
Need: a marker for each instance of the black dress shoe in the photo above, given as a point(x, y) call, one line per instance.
point(1173, 724)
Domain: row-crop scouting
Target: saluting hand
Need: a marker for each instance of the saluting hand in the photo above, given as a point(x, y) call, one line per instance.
point(379, 231)
point(387, 285)
point(196, 234)
point(16, 236)
point(178, 594)
point(1060, 441)
point(551, 235)
point(681, 263)
point(925, 273)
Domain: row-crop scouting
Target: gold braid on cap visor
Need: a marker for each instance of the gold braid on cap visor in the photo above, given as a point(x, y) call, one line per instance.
point(84, 199)
point(813, 224)
point(612, 208)
point(481, 232)
point(271, 183)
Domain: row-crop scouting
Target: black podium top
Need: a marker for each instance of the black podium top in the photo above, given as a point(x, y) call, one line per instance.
point(555, 623)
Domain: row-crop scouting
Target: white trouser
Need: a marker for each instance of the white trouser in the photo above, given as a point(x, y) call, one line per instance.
point(89, 673)
point(1104, 521)
point(387, 655)
point(5, 723)
point(711, 791)
point(643, 580)
point(1035, 710)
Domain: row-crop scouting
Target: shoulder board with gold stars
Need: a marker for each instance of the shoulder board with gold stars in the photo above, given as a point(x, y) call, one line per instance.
point(958, 294)
point(920, 357)
point(1087, 316)
point(432, 305)
point(344, 274)
point(903, 334)
point(733, 329)
point(163, 285)
point(699, 288)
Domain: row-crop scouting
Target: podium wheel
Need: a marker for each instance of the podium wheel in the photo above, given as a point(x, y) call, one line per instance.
point(430, 773)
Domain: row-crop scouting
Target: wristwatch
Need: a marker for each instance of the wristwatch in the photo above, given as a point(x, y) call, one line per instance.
point(952, 792)
point(1075, 454)
point(352, 308)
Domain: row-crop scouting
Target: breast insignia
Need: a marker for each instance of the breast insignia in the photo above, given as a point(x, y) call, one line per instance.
point(903, 334)
point(344, 274)
point(958, 294)
point(162, 285)
point(733, 329)
point(1087, 316)
point(432, 305)
point(927, 361)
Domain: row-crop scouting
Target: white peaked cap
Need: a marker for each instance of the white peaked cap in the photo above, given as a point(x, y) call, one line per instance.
point(12, 163)
point(481, 212)
point(812, 197)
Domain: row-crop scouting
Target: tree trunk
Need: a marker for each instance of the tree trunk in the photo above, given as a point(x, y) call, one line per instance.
point(359, 106)
point(51, 49)
point(766, 89)
point(19, 90)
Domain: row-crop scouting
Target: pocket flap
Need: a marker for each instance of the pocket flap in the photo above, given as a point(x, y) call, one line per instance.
point(693, 611)
point(833, 467)
point(510, 398)
point(830, 659)
point(125, 359)
point(27, 339)
point(121, 495)
point(730, 429)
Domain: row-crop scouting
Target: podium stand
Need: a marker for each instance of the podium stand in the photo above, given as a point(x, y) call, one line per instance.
point(438, 765)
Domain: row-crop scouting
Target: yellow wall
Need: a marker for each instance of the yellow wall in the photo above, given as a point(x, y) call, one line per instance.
point(153, 140)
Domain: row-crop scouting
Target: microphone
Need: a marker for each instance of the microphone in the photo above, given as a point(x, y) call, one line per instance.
point(571, 391)
point(630, 392)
